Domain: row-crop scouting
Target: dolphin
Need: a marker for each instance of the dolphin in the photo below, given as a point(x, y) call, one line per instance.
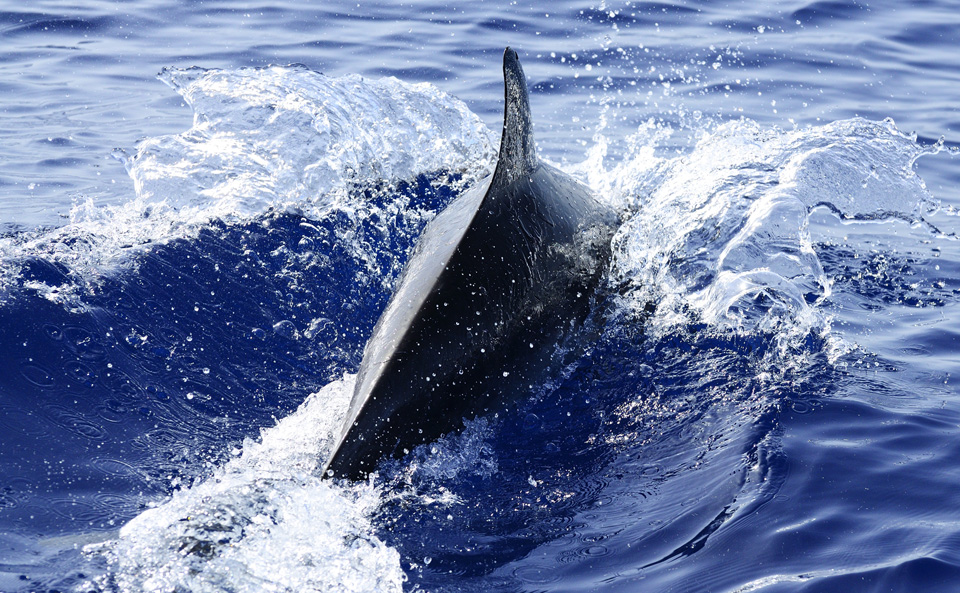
point(496, 281)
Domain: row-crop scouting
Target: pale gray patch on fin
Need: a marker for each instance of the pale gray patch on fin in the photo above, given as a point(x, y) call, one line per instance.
point(518, 153)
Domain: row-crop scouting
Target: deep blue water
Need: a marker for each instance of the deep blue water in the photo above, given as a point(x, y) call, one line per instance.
point(191, 266)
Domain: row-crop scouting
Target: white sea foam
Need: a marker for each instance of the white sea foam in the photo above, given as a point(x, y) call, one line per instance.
point(265, 521)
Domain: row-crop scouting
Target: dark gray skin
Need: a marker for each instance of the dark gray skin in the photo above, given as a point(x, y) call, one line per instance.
point(505, 273)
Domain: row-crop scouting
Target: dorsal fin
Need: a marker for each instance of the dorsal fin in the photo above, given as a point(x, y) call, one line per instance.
point(518, 153)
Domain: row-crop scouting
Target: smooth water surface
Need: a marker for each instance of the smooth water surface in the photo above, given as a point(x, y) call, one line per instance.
point(205, 207)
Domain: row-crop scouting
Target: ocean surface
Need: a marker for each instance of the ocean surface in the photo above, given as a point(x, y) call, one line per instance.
point(205, 206)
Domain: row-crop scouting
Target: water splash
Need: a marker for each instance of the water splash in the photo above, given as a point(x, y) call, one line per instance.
point(721, 233)
point(264, 522)
point(288, 136)
point(279, 138)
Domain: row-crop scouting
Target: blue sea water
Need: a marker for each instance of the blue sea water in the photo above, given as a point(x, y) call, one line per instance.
point(204, 207)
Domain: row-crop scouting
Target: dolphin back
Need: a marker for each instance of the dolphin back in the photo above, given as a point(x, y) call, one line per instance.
point(495, 282)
